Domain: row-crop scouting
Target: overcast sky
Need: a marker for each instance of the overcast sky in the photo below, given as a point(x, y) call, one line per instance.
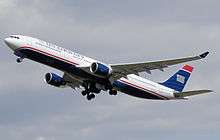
point(113, 31)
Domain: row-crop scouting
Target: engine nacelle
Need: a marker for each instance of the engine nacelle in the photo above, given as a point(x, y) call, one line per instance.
point(100, 69)
point(54, 79)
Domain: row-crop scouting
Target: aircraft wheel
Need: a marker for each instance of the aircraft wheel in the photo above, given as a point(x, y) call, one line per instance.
point(84, 92)
point(19, 60)
point(91, 96)
point(113, 92)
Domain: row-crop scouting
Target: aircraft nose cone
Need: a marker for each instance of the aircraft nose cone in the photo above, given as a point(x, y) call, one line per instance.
point(10, 43)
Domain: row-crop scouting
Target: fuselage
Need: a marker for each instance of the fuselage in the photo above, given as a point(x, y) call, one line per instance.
point(52, 55)
point(72, 63)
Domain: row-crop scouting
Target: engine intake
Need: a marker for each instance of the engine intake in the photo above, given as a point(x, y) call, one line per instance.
point(100, 69)
point(54, 80)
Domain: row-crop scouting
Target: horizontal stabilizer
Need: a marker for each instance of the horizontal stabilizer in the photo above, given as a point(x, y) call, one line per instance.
point(191, 93)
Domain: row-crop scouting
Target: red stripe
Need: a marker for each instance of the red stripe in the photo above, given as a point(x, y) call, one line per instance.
point(188, 68)
point(154, 93)
point(27, 47)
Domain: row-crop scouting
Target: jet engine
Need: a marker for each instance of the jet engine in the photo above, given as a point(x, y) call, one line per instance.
point(54, 80)
point(100, 69)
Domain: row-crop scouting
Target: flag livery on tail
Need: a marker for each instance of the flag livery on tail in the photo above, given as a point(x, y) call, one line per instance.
point(179, 79)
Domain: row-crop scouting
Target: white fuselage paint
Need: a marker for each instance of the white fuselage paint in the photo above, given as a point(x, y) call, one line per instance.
point(83, 61)
point(151, 86)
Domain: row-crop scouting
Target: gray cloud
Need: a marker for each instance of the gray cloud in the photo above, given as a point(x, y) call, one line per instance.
point(111, 31)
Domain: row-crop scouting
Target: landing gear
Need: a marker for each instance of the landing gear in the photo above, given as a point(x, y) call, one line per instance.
point(90, 96)
point(90, 89)
point(19, 59)
point(84, 92)
point(113, 92)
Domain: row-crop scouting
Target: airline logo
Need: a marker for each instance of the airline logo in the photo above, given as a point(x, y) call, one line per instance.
point(180, 79)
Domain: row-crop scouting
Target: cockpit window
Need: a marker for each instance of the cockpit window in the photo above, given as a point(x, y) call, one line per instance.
point(14, 37)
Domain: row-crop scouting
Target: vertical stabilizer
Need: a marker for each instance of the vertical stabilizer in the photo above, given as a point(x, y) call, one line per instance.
point(179, 79)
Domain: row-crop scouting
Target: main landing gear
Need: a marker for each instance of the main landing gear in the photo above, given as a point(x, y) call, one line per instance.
point(89, 91)
point(88, 94)
point(112, 92)
point(91, 88)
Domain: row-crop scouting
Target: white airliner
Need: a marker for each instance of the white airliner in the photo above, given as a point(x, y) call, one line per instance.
point(94, 76)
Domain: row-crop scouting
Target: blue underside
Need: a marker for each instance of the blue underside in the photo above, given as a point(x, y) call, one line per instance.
point(70, 68)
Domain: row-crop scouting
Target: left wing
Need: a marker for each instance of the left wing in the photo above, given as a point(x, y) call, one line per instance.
point(121, 70)
point(71, 82)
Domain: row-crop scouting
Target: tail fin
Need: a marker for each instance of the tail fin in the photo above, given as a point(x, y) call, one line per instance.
point(179, 79)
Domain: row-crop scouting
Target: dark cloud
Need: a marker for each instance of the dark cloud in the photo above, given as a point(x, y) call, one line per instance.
point(111, 31)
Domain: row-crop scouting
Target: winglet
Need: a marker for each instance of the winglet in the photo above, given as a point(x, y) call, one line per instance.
point(204, 55)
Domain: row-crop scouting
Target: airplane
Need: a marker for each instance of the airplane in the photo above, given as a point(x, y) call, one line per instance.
point(94, 76)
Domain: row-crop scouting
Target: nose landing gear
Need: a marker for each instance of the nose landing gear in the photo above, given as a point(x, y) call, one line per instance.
point(19, 59)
